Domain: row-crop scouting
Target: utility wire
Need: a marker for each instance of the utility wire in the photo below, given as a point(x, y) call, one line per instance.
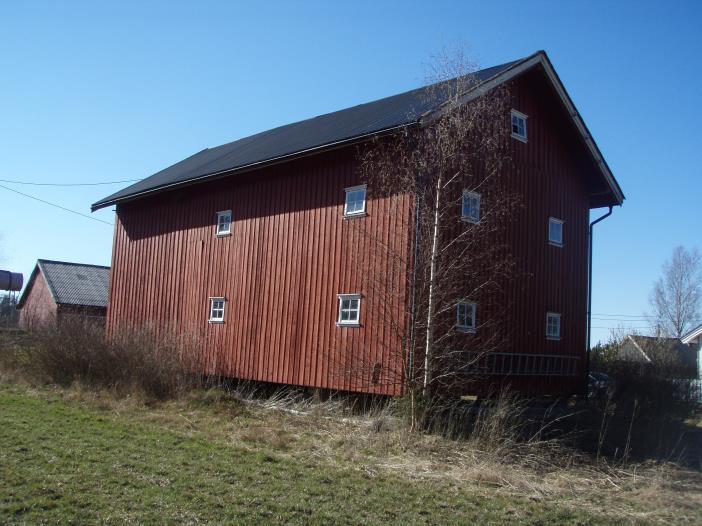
point(56, 206)
point(69, 184)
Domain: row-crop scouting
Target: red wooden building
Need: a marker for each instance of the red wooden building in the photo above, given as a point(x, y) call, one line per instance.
point(58, 289)
point(246, 245)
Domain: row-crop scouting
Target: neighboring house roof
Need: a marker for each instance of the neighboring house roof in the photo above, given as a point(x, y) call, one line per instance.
point(692, 335)
point(655, 349)
point(345, 127)
point(72, 283)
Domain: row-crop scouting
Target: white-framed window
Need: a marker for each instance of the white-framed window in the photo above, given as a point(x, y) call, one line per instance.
point(470, 206)
point(217, 307)
point(465, 316)
point(555, 231)
point(519, 126)
point(349, 310)
point(355, 204)
point(553, 326)
point(224, 223)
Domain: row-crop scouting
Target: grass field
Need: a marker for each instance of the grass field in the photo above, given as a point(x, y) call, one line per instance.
point(71, 456)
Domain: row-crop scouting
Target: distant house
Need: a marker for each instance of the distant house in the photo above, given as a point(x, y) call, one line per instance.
point(58, 289)
point(253, 246)
point(694, 340)
point(660, 352)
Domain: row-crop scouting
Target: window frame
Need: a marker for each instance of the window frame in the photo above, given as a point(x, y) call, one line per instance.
point(213, 299)
point(228, 232)
point(347, 191)
point(557, 316)
point(557, 221)
point(516, 113)
point(471, 194)
point(348, 323)
point(474, 314)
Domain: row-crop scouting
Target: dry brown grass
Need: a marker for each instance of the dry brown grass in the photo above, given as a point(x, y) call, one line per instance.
point(492, 455)
point(376, 443)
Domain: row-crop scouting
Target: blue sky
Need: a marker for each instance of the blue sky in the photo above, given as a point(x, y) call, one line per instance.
point(92, 91)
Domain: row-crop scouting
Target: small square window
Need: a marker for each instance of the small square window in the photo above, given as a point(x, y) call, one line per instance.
point(555, 231)
point(519, 126)
point(355, 204)
point(470, 207)
point(349, 310)
point(553, 326)
point(217, 306)
point(224, 223)
point(465, 316)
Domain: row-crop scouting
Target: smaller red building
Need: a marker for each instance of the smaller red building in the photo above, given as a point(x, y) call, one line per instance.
point(58, 289)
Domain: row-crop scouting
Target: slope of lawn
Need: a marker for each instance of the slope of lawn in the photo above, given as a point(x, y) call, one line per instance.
point(62, 461)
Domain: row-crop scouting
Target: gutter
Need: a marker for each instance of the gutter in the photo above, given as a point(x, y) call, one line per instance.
point(589, 299)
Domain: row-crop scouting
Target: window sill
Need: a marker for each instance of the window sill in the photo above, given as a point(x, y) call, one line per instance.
point(470, 220)
point(224, 234)
point(553, 338)
point(519, 138)
point(466, 330)
point(353, 216)
point(352, 325)
point(554, 244)
point(216, 322)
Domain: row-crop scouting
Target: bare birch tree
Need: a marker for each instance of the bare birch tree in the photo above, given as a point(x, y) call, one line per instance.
point(676, 297)
point(454, 167)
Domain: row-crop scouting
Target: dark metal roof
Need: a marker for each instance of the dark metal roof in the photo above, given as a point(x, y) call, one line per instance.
point(323, 131)
point(349, 125)
point(73, 283)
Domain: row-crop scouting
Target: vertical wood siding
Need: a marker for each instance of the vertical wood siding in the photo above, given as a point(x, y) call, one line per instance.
point(551, 175)
point(291, 253)
point(39, 308)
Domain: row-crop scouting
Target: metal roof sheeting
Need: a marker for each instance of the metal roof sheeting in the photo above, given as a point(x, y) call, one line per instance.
point(323, 131)
point(76, 283)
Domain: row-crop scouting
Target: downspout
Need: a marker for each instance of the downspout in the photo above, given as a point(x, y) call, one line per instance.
point(589, 300)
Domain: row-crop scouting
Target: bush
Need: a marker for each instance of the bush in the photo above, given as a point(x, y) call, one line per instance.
point(156, 365)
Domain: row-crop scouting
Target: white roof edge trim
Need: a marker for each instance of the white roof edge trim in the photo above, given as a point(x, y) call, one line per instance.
point(694, 333)
point(518, 69)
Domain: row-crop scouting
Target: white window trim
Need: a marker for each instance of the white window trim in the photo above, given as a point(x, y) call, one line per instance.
point(559, 221)
point(210, 319)
point(468, 219)
point(361, 212)
point(467, 328)
point(522, 138)
point(228, 232)
point(557, 315)
point(348, 323)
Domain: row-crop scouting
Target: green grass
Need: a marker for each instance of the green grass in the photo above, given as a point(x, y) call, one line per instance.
point(66, 462)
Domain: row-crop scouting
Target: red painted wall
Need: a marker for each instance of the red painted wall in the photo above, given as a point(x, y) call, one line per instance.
point(291, 253)
point(39, 308)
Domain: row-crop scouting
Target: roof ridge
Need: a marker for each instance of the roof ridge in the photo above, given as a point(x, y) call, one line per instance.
point(72, 263)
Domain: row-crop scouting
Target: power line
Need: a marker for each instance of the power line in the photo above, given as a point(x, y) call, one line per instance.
point(623, 315)
point(56, 206)
point(69, 184)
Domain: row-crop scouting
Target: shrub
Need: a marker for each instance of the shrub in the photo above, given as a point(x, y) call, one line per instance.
point(151, 363)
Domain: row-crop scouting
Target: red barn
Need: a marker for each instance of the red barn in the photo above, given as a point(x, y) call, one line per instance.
point(246, 245)
point(58, 289)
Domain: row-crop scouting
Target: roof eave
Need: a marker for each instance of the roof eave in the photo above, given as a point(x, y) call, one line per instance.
point(253, 166)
